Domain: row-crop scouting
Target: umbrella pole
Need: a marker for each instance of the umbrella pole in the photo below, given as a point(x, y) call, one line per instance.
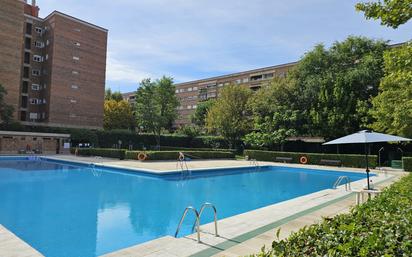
point(367, 165)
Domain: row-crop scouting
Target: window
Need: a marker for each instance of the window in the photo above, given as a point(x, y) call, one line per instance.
point(35, 72)
point(194, 88)
point(39, 44)
point(44, 85)
point(47, 42)
point(76, 43)
point(25, 87)
point(23, 116)
point(189, 89)
point(75, 72)
point(47, 57)
point(29, 27)
point(73, 101)
point(77, 29)
point(268, 75)
point(35, 101)
point(177, 91)
point(256, 77)
point(27, 43)
point(245, 80)
point(44, 101)
point(35, 87)
point(182, 90)
point(238, 81)
point(220, 85)
point(76, 58)
point(24, 102)
point(26, 57)
point(26, 72)
point(189, 107)
point(75, 86)
point(38, 30)
point(33, 116)
point(37, 58)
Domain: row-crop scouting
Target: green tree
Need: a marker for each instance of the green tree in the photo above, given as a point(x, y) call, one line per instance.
point(118, 115)
point(6, 111)
point(109, 95)
point(274, 113)
point(392, 13)
point(156, 105)
point(392, 108)
point(199, 116)
point(229, 116)
point(335, 85)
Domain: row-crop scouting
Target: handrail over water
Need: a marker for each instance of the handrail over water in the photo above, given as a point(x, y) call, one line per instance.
point(196, 222)
point(207, 204)
point(181, 161)
point(255, 163)
point(340, 180)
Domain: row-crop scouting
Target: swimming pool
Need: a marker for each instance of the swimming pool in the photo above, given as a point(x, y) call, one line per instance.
point(67, 209)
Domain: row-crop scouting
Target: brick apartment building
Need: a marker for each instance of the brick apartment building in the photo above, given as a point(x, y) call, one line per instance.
point(190, 93)
point(53, 68)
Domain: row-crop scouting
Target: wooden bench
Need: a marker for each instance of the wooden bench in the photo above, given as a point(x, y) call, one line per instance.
point(331, 162)
point(284, 159)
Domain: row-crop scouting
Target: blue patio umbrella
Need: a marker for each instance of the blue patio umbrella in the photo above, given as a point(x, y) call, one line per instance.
point(366, 137)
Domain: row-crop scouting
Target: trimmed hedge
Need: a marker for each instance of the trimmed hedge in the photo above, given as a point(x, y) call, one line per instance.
point(172, 148)
point(174, 155)
point(407, 163)
point(379, 227)
point(348, 160)
point(103, 152)
point(107, 139)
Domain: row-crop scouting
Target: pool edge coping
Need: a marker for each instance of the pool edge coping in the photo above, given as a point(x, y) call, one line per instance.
point(230, 242)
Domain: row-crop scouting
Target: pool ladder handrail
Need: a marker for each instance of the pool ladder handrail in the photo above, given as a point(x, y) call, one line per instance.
point(202, 208)
point(95, 173)
point(255, 163)
point(183, 165)
point(197, 221)
point(340, 180)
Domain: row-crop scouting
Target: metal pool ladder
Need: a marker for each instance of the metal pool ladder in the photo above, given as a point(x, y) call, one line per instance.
point(202, 208)
point(182, 164)
point(342, 179)
point(255, 163)
point(197, 221)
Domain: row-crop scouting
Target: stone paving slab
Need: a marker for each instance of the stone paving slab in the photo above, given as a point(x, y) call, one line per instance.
point(12, 246)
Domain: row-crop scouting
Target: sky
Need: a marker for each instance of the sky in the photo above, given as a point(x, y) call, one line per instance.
point(195, 39)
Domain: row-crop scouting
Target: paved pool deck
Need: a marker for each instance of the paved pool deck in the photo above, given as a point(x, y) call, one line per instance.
point(239, 235)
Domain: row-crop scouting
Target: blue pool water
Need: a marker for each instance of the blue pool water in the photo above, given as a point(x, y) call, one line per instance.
point(68, 210)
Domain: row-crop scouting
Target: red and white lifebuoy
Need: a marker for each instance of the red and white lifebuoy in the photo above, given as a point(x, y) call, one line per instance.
point(303, 159)
point(141, 156)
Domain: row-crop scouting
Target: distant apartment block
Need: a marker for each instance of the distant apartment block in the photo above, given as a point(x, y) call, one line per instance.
point(193, 92)
point(53, 68)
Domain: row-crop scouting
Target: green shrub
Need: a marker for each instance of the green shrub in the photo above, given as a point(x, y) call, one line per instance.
point(174, 155)
point(103, 152)
point(173, 148)
point(379, 227)
point(348, 160)
point(407, 163)
point(107, 139)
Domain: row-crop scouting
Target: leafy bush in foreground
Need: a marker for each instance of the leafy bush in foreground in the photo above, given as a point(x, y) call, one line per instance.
point(380, 227)
point(407, 163)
